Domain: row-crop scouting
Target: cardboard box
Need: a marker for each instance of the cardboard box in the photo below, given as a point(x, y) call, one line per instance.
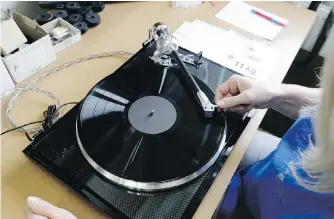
point(6, 80)
point(11, 36)
point(33, 57)
point(74, 38)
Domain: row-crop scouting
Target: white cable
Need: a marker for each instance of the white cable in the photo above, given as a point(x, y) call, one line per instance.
point(10, 106)
point(18, 90)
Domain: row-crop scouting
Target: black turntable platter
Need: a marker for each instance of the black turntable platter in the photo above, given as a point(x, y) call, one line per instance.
point(151, 135)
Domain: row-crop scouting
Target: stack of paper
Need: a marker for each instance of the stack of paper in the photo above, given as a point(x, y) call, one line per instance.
point(249, 57)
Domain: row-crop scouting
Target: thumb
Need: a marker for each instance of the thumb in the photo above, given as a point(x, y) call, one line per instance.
point(232, 101)
point(30, 215)
point(41, 207)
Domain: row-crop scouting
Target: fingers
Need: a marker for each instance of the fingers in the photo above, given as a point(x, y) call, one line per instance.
point(237, 108)
point(35, 216)
point(232, 101)
point(219, 95)
point(242, 109)
point(228, 87)
point(41, 207)
point(30, 215)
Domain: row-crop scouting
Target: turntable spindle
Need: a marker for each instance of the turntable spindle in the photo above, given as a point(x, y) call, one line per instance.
point(151, 113)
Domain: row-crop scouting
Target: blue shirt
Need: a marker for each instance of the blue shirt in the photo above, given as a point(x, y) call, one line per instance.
point(267, 190)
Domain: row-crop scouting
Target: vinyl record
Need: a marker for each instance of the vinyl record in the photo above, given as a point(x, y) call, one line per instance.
point(146, 135)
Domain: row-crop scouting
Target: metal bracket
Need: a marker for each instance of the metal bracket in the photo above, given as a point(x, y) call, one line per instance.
point(166, 60)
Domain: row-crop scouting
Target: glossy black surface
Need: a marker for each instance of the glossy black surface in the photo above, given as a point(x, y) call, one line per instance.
point(118, 147)
point(58, 152)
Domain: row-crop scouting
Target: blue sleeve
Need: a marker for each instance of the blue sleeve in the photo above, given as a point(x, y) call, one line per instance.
point(232, 206)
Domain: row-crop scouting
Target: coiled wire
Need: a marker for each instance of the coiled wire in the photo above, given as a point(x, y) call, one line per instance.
point(18, 90)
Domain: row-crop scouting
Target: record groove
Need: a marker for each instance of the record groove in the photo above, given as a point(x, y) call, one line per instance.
point(177, 144)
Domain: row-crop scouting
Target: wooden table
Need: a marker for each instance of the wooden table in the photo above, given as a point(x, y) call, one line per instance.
point(124, 27)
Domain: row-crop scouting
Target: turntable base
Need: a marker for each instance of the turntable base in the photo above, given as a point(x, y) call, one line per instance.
point(59, 151)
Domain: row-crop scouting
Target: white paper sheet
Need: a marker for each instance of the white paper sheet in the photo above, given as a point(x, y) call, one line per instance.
point(249, 57)
point(240, 15)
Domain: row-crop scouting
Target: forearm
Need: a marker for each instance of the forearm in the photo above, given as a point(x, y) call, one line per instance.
point(292, 98)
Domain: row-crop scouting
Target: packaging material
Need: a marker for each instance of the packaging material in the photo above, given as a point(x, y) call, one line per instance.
point(73, 35)
point(6, 80)
point(33, 57)
point(11, 35)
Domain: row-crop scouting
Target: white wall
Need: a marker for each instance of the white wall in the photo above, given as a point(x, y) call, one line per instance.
point(27, 8)
point(329, 44)
point(313, 35)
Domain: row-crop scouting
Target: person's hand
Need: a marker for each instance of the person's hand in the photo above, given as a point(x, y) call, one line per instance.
point(40, 209)
point(241, 94)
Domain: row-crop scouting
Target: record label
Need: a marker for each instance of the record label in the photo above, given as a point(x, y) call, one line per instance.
point(152, 115)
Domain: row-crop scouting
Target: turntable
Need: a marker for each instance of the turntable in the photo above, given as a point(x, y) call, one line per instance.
point(147, 141)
